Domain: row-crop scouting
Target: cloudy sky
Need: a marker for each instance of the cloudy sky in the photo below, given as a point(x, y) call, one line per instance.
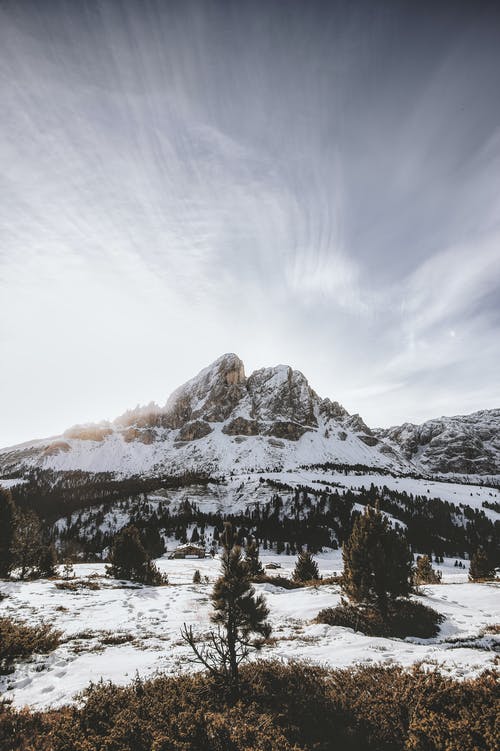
point(308, 183)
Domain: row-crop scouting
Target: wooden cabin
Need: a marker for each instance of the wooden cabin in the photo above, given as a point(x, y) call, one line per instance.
point(188, 550)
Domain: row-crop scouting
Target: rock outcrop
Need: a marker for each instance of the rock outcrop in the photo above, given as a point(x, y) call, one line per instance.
point(465, 444)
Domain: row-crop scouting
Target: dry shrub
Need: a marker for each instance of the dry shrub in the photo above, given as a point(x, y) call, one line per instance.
point(404, 618)
point(75, 585)
point(18, 640)
point(293, 707)
point(417, 710)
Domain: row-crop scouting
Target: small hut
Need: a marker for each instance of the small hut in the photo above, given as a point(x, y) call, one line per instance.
point(188, 550)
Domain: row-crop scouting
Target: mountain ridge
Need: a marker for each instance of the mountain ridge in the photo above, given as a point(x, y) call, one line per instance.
point(222, 420)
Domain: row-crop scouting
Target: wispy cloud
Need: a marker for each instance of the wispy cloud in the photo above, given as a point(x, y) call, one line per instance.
point(313, 183)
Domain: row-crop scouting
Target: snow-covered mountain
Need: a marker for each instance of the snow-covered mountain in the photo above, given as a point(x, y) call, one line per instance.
point(467, 444)
point(219, 421)
point(222, 421)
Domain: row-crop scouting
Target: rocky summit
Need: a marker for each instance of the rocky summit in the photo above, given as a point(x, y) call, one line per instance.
point(467, 444)
point(222, 420)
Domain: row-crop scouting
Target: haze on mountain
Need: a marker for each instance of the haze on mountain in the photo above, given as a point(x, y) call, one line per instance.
point(309, 183)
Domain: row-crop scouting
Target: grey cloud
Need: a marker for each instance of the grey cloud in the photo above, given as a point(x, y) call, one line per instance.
point(314, 182)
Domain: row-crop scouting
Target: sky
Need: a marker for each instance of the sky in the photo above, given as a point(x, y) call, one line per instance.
point(308, 183)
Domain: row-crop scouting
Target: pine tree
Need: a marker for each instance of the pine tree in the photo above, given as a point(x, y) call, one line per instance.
point(68, 571)
point(195, 536)
point(7, 527)
point(377, 561)
point(129, 559)
point(238, 613)
point(424, 573)
point(480, 566)
point(47, 561)
point(252, 560)
point(27, 543)
point(306, 568)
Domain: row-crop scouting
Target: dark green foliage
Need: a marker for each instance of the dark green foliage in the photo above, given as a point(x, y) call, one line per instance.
point(7, 525)
point(315, 516)
point(403, 618)
point(480, 566)
point(306, 568)
point(27, 543)
point(252, 560)
point(424, 573)
point(377, 561)
point(195, 535)
point(19, 641)
point(238, 613)
point(47, 561)
point(129, 560)
point(293, 707)
point(197, 577)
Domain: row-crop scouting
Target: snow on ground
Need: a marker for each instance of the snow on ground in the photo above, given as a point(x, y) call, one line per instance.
point(453, 492)
point(238, 491)
point(148, 621)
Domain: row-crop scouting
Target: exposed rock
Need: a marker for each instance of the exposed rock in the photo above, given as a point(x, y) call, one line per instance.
point(462, 444)
point(88, 432)
point(56, 448)
point(211, 396)
point(281, 393)
point(241, 426)
point(357, 424)
point(332, 410)
point(134, 434)
point(192, 431)
point(292, 431)
point(141, 417)
point(369, 440)
point(276, 444)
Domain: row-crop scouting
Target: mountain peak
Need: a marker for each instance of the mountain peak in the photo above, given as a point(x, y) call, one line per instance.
point(222, 420)
point(210, 395)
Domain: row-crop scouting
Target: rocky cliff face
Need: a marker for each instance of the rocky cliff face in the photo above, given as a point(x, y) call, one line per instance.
point(218, 421)
point(223, 420)
point(467, 444)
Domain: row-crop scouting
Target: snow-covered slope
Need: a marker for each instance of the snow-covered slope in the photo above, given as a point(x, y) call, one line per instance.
point(468, 444)
point(218, 421)
point(222, 420)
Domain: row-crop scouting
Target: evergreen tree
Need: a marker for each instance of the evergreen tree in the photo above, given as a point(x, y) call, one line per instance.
point(195, 535)
point(7, 527)
point(129, 559)
point(306, 568)
point(27, 543)
point(424, 573)
point(252, 560)
point(68, 571)
point(480, 566)
point(238, 613)
point(47, 561)
point(377, 561)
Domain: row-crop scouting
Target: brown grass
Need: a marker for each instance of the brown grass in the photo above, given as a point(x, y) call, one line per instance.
point(295, 707)
point(19, 641)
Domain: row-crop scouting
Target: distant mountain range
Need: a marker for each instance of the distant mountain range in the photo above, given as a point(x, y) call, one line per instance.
point(223, 421)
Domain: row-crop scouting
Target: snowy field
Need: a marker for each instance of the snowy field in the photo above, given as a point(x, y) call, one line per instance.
point(115, 631)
